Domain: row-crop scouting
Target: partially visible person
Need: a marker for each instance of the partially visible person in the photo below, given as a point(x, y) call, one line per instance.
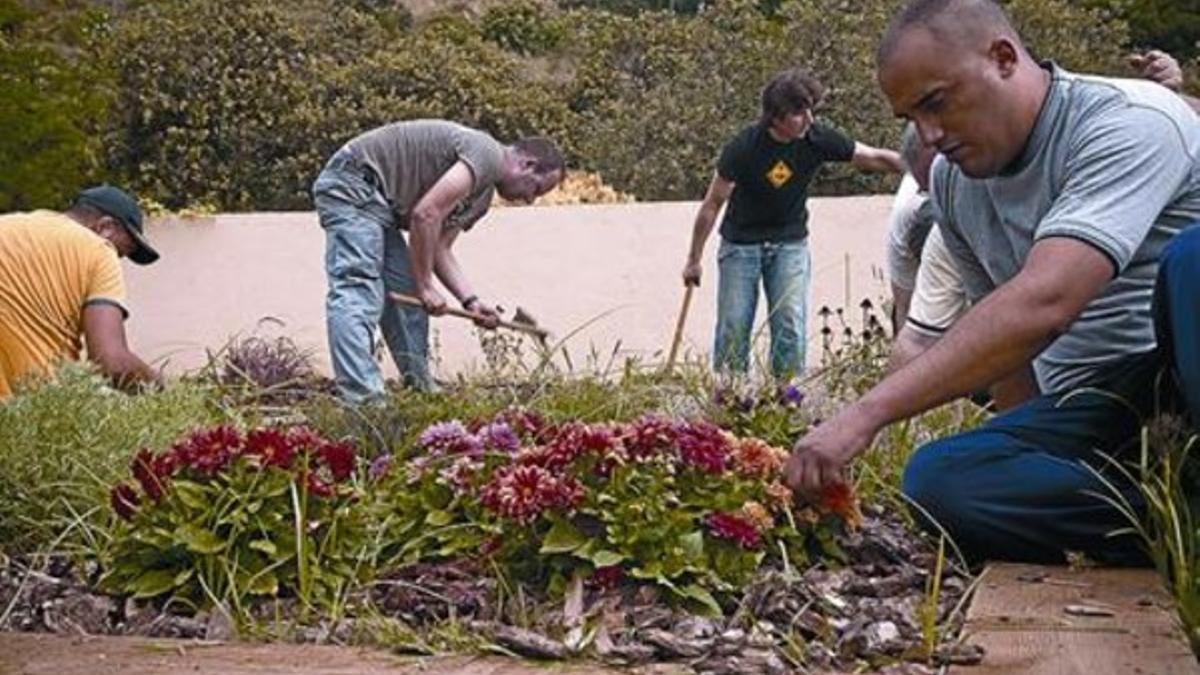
point(433, 179)
point(909, 224)
point(61, 288)
point(1164, 69)
point(764, 172)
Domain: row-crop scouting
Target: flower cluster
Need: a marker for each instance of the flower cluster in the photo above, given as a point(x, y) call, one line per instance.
point(208, 453)
point(703, 446)
point(755, 459)
point(650, 437)
point(447, 439)
point(734, 527)
point(523, 493)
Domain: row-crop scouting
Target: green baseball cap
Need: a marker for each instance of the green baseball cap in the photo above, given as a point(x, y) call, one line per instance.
point(118, 204)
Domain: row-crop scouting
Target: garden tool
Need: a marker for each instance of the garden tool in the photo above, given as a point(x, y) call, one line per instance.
point(522, 321)
point(687, 301)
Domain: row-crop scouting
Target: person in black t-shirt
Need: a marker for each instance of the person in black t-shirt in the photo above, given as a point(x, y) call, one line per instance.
point(764, 173)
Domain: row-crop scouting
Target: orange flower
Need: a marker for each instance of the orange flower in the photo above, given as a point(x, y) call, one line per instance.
point(839, 499)
point(780, 496)
point(755, 459)
point(758, 514)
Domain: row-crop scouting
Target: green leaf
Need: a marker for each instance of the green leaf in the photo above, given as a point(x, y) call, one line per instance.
point(703, 598)
point(264, 545)
point(199, 539)
point(563, 537)
point(152, 583)
point(607, 558)
point(439, 518)
point(191, 494)
point(693, 545)
point(264, 583)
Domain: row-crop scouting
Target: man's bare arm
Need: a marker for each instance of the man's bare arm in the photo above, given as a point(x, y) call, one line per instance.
point(104, 335)
point(425, 229)
point(870, 158)
point(718, 193)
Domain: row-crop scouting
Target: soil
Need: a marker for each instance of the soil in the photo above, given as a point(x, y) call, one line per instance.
point(863, 617)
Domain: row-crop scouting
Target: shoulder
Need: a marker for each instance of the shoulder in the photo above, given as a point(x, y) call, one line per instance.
point(1136, 111)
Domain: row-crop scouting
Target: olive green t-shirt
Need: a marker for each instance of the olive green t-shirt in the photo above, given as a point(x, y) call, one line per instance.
point(409, 157)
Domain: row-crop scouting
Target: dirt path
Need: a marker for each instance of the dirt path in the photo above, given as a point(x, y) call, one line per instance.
point(41, 654)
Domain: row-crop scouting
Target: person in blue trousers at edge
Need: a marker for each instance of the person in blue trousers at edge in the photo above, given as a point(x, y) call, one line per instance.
point(432, 179)
point(1067, 201)
point(764, 173)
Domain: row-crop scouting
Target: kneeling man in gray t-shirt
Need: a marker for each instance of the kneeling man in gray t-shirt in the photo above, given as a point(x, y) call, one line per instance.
point(1057, 195)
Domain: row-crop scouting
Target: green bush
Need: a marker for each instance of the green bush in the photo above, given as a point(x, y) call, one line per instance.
point(52, 95)
point(238, 104)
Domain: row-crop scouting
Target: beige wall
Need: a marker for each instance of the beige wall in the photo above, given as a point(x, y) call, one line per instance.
point(616, 267)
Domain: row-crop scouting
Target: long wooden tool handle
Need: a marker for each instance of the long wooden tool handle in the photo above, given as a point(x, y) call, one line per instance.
point(687, 301)
point(539, 333)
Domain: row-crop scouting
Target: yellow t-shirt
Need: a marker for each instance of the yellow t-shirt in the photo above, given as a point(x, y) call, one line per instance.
point(51, 267)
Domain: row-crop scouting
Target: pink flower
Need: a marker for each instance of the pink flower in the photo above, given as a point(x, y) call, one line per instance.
point(734, 528)
point(450, 438)
point(499, 437)
point(522, 493)
point(124, 500)
point(272, 447)
point(523, 422)
point(703, 446)
point(574, 440)
point(461, 473)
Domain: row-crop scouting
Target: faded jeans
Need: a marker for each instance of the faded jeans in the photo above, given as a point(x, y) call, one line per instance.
point(366, 255)
point(784, 269)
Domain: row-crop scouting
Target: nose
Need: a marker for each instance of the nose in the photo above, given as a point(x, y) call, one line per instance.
point(929, 131)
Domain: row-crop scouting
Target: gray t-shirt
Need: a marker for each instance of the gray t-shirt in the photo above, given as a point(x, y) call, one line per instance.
point(1111, 163)
point(409, 157)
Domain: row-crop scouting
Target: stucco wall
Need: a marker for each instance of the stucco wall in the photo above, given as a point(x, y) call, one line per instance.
point(616, 267)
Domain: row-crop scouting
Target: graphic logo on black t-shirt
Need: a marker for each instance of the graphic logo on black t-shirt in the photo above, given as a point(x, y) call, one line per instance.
point(779, 174)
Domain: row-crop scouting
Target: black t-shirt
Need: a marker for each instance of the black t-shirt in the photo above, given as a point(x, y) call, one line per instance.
point(770, 194)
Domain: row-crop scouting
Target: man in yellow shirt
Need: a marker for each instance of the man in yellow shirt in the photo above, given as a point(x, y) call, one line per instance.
point(61, 286)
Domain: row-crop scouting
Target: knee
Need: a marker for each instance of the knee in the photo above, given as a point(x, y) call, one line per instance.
point(931, 480)
point(1184, 249)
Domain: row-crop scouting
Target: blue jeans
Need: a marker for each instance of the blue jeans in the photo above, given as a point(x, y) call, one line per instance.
point(366, 255)
point(784, 269)
point(1020, 486)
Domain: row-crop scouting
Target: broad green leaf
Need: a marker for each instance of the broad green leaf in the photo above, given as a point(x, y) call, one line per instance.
point(704, 599)
point(264, 545)
point(563, 537)
point(693, 545)
point(191, 494)
point(264, 583)
point(199, 539)
point(439, 518)
point(607, 558)
point(152, 583)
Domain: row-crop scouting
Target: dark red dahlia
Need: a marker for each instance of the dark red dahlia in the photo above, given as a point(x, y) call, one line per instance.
point(318, 487)
point(608, 577)
point(272, 447)
point(703, 446)
point(650, 437)
point(124, 500)
point(152, 472)
point(339, 457)
point(209, 451)
point(522, 493)
point(735, 528)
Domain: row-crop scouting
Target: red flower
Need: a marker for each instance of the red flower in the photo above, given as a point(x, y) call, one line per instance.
point(734, 528)
point(522, 493)
point(209, 451)
point(272, 447)
point(572, 441)
point(153, 472)
point(525, 423)
point(703, 446)
point(608, 577)
point(650, 437)
point(339, 457)
point(318, 487)
point(124, 500)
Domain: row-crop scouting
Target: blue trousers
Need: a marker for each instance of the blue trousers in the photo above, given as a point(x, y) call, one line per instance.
point(366, 255)
point(783, 269)
point(1020, 488)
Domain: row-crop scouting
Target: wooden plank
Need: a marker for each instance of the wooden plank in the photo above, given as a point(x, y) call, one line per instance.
point(1028, 620)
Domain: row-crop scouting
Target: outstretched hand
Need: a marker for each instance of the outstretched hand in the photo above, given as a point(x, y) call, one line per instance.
point(820, 458)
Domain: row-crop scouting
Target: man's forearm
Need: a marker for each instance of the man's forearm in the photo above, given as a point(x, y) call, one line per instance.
point(700, 230)
point(451, 274)
point(422, 249)
point(127, 371)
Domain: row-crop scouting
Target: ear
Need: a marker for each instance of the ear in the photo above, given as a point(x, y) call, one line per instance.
point(1005, 55)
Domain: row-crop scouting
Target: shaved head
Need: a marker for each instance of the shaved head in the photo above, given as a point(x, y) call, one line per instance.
point(958, 23)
